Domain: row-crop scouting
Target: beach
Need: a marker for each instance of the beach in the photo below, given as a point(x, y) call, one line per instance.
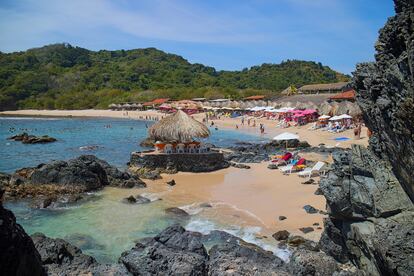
point(254, 197)
point(313, 137)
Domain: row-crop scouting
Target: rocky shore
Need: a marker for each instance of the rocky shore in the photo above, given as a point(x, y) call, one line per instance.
point(62, 182)
point(32, 139)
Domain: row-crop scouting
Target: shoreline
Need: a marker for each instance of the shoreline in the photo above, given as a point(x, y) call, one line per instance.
point(313, 137)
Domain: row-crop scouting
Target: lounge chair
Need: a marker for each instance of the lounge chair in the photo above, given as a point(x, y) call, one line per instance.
point(168, 149)
point(284, 160)
point(308, 172)
point(180, 148)
point(293, 166)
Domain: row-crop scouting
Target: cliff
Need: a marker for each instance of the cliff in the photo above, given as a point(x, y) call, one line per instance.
point(370, 192)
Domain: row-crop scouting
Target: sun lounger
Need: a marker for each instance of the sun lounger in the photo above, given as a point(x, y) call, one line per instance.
point(292, 166)
point(284, 160)
point(308, 172)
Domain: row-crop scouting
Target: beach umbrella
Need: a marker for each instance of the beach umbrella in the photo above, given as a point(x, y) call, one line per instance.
point(345, 116)
point(178, 127)
point(324, 117)
point(335, 118)
point(286, 136)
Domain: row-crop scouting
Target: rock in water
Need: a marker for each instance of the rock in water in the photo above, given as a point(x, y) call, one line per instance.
point(18, 255)
point(177, 212)
point(61, 258)
point(173, 252)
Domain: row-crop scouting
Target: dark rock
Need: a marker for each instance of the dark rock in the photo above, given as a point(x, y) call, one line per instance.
point(131, 199)
point(272, 166)
point(42, 202)
point(310, 209)
point(310, 181)
point(171, 183)
point(31, 139)
point(152, 175)
point(173, 252)
point(282, 217)
point(218, 237)
point(240, 166)
point(304, 262)
point(281, 235)
point(176, 212)
point(296, 240)
point(316, 224)
point(61, 258)
point(18, 254)
point(306, 230)
point(241, 258)
point(318, 191)
point(141, 200)
point(205, 205)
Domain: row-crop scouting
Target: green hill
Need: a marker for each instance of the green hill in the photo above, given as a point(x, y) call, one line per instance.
point(62, 76)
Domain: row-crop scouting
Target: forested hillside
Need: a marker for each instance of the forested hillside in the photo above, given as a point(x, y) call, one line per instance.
point(63, 76)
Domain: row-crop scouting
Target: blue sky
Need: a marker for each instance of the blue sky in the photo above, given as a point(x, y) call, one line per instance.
point(226, 34)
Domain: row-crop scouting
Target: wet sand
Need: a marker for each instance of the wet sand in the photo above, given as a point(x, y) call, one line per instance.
point(244, 197)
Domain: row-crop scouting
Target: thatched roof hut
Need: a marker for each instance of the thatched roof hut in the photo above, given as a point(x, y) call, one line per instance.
point(178, 127)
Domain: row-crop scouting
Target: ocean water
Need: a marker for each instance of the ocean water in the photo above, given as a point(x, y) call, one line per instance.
point(103, 226)
point(76, 135)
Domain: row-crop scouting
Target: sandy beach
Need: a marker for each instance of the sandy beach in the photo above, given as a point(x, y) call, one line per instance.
point(313, 137)
point(254, 197)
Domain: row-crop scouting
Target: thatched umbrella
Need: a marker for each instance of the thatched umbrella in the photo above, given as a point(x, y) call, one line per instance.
point(178, 127)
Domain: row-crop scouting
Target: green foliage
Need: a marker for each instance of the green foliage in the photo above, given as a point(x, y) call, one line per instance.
point(65, 77)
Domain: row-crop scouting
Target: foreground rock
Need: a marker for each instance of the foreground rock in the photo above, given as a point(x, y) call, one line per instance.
point(61, 258)
point(32, 139)
point(18, 255)
point(173, 252)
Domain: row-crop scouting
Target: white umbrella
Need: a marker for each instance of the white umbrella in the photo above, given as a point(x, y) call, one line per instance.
point(324, 117)
point(286, 136)
point(335, 118)
point(345, 116)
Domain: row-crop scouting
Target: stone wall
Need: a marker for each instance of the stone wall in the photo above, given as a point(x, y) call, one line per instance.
point(185, 162)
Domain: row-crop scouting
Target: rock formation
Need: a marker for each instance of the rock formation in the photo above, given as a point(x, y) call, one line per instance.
point(32, 139)
point(370, 192)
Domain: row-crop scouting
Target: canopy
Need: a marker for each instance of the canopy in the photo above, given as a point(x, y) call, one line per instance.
point(178, 127)
point(324, 117)
point(286, 136)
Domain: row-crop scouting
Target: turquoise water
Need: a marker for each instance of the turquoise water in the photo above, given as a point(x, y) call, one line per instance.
point(113, 144)
point(103, 226)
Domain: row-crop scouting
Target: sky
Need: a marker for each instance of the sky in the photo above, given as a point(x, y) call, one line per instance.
point(225, 34)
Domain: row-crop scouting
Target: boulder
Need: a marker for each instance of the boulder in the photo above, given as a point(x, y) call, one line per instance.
point(32, 139)
point(282, 217)
point(18, 254)
point(281, 235)
point(130, 200)
point(304, 262)
point(176, 212)
point(241, 258)
point(173, 252)
point(306, 230)
point(310, 209)
point(171, 183)
point(61, 258)
point(139, 199)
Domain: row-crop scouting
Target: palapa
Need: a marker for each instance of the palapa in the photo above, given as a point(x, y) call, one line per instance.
point(178, 127)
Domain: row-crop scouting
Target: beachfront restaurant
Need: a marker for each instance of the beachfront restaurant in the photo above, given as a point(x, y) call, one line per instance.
point(177, 146)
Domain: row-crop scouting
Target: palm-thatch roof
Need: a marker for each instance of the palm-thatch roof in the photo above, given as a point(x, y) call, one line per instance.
point(178, 127)
point(324, 87)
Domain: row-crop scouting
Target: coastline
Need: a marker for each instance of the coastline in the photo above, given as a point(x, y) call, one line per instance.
point(313, 137)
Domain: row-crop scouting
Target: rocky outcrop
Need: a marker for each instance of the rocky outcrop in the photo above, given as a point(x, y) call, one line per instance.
point(185, 162)
point(61, 258)
point(18, 255)
point(65, 180)
point(370, 192)
point(385, 93)
point(173, 252)
point(32, 139)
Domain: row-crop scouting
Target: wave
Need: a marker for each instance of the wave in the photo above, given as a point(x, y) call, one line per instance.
point(192, 209)
point(248, 234)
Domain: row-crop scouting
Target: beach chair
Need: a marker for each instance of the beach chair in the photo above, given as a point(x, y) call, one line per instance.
point(308, 172)
point(293, 166)
point(285, 158)
point(180, 148)
point(168, 149)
